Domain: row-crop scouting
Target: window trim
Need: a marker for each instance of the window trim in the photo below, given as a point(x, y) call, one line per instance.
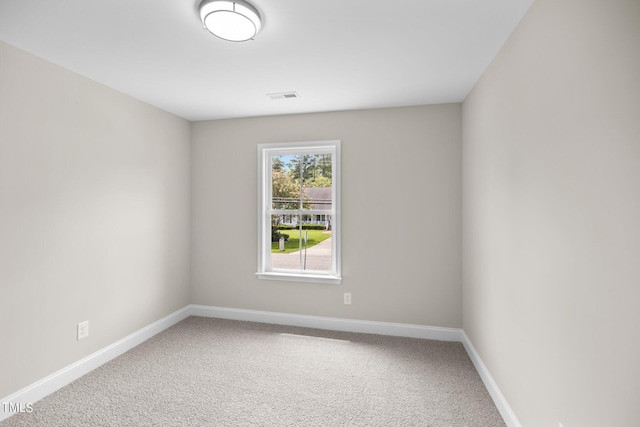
point(265, 152)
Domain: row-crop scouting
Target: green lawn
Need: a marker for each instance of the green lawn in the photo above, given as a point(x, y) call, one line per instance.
point(292, 245)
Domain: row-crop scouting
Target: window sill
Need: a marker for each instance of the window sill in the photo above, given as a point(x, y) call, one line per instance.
point(308, 278)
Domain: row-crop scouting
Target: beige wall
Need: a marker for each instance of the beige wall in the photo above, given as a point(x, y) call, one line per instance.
point(551, 163)
point(401, 195)
point(94, 216)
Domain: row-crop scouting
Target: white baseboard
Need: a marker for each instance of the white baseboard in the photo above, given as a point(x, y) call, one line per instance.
point(59, 379)
point(331, 323)
point(498, 398)
point(64, 376)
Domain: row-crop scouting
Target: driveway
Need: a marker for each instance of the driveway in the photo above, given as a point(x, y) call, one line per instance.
point(318, 258)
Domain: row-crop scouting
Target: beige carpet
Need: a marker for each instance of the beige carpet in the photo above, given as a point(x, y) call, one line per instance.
point(212, 372)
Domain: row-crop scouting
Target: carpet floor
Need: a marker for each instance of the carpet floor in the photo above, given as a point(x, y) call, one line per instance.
point(213, 372)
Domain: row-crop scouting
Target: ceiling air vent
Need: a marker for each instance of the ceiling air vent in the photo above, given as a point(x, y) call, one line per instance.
point(283, 95)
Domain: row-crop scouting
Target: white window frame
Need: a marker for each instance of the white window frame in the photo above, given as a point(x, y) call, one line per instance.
point(265, 153)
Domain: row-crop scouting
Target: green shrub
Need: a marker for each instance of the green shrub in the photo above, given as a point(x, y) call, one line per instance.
point(286, 227)
point(304, 227)
point(276, 235)
point(313, 226)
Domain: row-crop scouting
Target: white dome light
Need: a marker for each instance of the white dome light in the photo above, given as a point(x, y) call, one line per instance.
point(235, 21)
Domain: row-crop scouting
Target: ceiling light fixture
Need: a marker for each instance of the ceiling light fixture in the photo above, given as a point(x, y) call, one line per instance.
point(235, 21)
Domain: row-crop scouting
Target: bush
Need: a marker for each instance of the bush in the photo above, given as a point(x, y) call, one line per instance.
point(304, 227)
point(286, 227)
point(276, 235)
point(313, 226)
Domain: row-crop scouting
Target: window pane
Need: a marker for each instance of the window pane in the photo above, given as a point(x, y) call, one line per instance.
point(285, 189)
point(305, 247)
point(317, 182)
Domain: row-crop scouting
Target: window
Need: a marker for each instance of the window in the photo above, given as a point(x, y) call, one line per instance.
point(299, 211)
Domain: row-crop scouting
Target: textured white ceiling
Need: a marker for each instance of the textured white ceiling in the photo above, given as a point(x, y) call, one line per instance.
point(337, 54)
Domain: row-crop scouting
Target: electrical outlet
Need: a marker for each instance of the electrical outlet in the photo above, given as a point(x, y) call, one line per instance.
point(560, 424)
point(347, 298)
point(83, 329)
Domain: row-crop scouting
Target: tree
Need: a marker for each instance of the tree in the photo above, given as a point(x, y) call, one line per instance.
point(285, 192)
point(319, 182)
point(302, 166)
point(277, 164)
point(323, 165)
point(310, 167)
